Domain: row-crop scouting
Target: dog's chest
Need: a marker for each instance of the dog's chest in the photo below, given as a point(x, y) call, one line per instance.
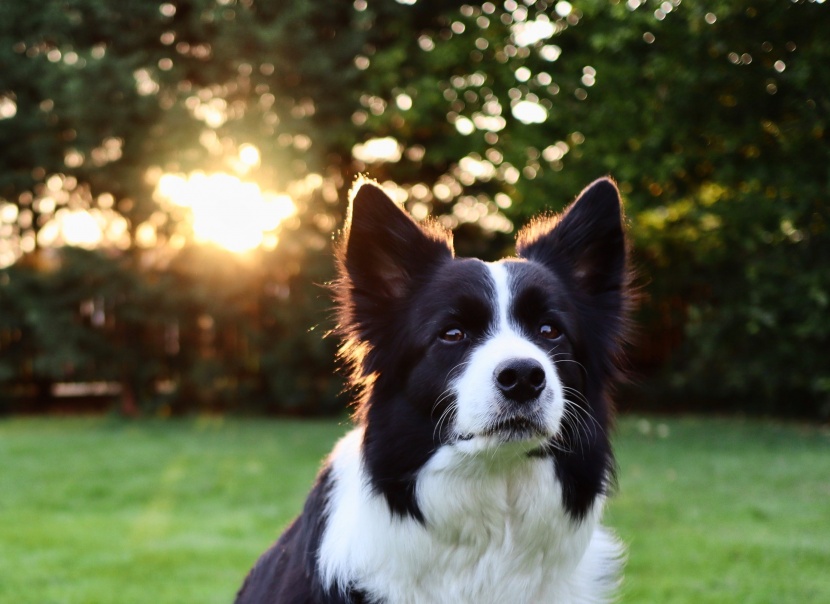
point(490, 536)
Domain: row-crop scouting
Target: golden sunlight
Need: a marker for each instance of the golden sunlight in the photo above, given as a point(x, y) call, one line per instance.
point(226, 210)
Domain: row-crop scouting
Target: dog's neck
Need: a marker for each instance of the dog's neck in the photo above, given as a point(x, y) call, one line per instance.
point(494, 530)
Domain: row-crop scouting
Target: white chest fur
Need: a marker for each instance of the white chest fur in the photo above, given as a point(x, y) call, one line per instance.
point(496, 531)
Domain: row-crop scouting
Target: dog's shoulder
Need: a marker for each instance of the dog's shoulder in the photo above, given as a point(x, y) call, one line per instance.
point(287, 573)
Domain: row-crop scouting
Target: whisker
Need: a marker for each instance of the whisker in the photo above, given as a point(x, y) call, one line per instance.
point(447, 394)
point(444, 415)
point(448, 390)
point(581, 366)
point(555, 444)
point(584, 426)
point(581, 408)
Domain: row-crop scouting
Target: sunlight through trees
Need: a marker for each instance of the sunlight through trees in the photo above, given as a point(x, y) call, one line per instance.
point(197, 154)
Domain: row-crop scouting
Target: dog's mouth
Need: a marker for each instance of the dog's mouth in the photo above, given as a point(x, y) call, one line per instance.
point(510, 429)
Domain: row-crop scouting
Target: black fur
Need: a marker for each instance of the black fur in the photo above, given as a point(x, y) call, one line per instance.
point(287, 573)
point(585, 249)
point(403, 407)
point(399, 287)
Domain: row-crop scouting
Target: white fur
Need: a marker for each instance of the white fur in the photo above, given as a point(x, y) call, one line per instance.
point(477, 399)
point(495, 532)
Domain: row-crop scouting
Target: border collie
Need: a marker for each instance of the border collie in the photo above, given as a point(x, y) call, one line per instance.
point(480, 460)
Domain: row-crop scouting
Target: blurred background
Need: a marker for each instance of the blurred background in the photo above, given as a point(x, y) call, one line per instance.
point(173, 174)
point(172, 178)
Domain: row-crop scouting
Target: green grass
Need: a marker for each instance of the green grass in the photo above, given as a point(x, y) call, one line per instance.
point(717, 511)
point(102, 510)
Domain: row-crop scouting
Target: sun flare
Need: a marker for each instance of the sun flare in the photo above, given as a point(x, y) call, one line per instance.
point(227, 211)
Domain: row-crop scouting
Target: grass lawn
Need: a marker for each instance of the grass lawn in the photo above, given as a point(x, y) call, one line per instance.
point(102, 510)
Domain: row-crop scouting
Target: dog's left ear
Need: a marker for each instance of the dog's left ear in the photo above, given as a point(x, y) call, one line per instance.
point(586, 243)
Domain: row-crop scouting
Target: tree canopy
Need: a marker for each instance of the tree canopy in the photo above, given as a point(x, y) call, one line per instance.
point(117, 119)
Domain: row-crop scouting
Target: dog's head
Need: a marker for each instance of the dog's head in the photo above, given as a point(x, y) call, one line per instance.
point(483, 357)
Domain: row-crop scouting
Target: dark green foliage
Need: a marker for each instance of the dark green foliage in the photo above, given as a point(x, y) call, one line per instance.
point(728, 193)
point(712, 116)
point(209, 333)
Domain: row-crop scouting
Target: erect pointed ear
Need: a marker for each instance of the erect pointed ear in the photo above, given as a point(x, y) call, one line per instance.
point(586, 243)
point(383, 249)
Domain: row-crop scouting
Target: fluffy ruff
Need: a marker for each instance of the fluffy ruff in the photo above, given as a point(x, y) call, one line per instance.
point(480, 460)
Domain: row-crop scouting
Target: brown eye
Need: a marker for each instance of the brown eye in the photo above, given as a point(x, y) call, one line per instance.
point(453, 335)
point(549, 332)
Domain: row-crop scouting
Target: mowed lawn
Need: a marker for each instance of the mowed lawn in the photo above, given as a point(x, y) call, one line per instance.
point(103, 510)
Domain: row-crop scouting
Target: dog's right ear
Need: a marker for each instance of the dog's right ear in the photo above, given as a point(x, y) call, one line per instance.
point(383, 250)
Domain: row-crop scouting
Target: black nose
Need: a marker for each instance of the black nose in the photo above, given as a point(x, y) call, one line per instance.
point(520, 380)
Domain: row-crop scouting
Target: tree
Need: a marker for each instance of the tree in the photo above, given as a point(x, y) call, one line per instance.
point(712, 117)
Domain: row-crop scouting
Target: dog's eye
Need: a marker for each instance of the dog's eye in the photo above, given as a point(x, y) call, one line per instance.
point(549, 332)
point(453, 334)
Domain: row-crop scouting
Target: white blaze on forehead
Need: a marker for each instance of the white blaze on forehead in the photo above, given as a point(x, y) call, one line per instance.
point(498, 271)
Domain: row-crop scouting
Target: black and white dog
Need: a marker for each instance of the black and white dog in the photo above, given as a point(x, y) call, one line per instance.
point(480, 460)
